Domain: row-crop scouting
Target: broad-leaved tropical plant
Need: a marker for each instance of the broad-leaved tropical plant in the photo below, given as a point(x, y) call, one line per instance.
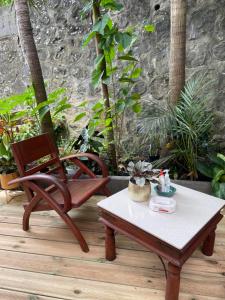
point(214, 169)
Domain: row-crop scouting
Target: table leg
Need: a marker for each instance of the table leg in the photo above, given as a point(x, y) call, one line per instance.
point(110, 247)
point(208, 245)
point(173, 282)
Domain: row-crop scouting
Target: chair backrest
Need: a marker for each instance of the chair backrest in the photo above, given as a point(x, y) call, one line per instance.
point(28, 153)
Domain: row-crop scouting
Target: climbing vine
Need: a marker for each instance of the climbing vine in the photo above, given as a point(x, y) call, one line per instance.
point(116, 70)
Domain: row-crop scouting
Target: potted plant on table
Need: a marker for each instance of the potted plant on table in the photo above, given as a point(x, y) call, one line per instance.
point(141, 176)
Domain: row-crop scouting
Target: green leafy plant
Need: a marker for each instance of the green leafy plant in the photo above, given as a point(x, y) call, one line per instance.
point(186, 128)
point(115, 68)
point(89, 141)
point(21, 110)
point(7, 163)
point(215, 169)
point(142, 173)
point(191, 128)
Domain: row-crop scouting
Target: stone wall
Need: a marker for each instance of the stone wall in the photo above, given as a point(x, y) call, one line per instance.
point(58, 32)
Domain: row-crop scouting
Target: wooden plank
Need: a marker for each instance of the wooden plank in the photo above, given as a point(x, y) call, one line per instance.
point(71, 288)
point(109, 272)
point(52, 221)
point(124, 257)
point(62, 258)
point(65, 235)
point(15, 295)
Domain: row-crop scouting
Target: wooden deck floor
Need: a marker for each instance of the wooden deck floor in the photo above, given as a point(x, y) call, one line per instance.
point(47, 263)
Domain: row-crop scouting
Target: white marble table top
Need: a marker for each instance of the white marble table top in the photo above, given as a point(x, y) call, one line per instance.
point(194, 210)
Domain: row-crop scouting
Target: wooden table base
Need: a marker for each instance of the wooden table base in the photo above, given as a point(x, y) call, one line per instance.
point(175, 257)
point(173, 282)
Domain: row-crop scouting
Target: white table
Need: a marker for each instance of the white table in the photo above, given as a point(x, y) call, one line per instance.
point(171, 236)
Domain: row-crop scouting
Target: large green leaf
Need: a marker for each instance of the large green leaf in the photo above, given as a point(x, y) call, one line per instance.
point(136, 73)
point(79, 116)
point(218, 175)
point(219, 189)
point(97, 107)
point(87, 38)
point(98, 60)
point(217, 160)
point(136, 108)
point(111, 4)
point(128, 57)
point(124, 39)
point(61, 108)
point(221, 156)
point(149, 28)
point(96, 77)
point(100, 25)
point(205, 169)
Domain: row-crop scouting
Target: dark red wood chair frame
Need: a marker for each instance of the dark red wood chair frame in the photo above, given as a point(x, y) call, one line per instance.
point(47, 186)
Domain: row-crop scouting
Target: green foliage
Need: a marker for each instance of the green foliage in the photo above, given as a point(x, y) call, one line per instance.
point(116, 67)
point(5, 2)
point(20, 118)
point(111, 5)
point(142, 173)
point(192, 122)
point(7, 164)
point(149, 28)
point(89, 141)
point(186, 128)
point(214, 169)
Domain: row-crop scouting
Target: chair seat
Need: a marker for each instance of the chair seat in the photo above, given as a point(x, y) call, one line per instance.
point(81, 190)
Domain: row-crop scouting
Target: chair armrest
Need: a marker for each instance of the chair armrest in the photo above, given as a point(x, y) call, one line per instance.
point(60, 185)
point(91, 156)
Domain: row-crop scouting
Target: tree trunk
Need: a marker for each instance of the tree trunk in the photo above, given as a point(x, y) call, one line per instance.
point(105, 92)
point(30, 51)
point(177, 49)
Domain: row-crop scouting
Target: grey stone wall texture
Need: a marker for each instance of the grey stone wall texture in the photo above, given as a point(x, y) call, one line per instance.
point(58, 32)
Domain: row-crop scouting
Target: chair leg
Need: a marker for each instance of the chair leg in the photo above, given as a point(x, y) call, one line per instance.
point(33, 203)
point(27, 212)
point(26, 217)
point(76, 232)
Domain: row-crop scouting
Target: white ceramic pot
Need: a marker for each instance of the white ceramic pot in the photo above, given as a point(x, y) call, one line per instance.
point(139, 193)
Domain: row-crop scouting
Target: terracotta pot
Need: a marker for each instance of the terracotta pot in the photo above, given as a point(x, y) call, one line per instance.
point(139, 193)
point(5, 178)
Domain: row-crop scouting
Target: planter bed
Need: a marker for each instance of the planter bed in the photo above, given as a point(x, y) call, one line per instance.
point(119, 183)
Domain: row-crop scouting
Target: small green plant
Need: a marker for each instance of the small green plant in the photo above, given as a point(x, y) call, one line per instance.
point(7, 163)
point(8, 131)
point(142, 173)
point(215, 169)
point(89, 141)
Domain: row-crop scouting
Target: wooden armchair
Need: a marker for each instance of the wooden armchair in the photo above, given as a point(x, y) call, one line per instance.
point(47, 192)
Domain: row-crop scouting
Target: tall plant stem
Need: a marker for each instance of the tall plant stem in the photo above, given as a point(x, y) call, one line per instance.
point(30, 51)
point(177, 49)
point(105, 92)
